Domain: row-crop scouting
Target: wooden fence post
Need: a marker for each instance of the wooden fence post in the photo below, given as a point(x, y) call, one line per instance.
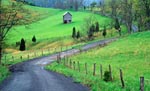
point(121, 78)
point(86, 68)
point(110, 70)
point(70, 64)
point(65, 62)
point(28, 56)
point(141, 83)
point(48, 51)
point(74, 65)
point(21, 57)
point(94, 69)
point(101, 71)
point(34, 54)
point(42, 52)
point(61, 49)
point(57, 59)
point(78, 66)
point(13, 58)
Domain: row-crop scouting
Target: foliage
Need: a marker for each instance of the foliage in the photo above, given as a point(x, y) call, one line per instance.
point(104, 32)
point(117, 26)
point(4, 72)
point(22, 45)
point(119, 55)
point(74, 32)
point(107, 76)
point(97, 27)
point(34, 39)
point(78, 35)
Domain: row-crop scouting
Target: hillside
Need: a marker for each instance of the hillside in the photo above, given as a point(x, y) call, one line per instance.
point(131, 54)
point(50, 29)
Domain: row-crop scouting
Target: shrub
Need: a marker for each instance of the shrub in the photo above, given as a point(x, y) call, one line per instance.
point(104, 32)
point(22, 45)
point(74, 32)
point(107, 76)
point(78, 35)
point(34, 39)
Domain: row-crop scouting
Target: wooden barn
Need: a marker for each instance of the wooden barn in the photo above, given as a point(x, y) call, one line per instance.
point(67, 17)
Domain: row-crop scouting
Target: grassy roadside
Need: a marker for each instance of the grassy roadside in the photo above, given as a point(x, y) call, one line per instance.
point(131, 54)
point(3, 73)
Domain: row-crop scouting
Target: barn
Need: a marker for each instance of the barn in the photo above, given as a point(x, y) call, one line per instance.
point(67, 17)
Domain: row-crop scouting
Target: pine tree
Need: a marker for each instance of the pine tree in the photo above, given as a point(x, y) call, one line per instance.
point(22, 45)
point(117, 26)
point(78, 35)
point(90, 32)
point(74, 32)
point(34, 39)
point(97, 27)
point(104, 32)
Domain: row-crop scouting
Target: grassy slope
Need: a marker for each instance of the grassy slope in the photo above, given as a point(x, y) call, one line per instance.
point(131, 54)
point(49, 31)
point(50, 28)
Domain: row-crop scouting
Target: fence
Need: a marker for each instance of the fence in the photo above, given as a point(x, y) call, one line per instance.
point(8, 59)
point(75, 65)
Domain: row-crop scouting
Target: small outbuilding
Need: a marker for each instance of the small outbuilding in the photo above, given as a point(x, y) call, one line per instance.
point(67, 17)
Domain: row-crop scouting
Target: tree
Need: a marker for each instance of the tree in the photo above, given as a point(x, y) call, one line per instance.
point(144, 8)
point(22, 45)
point(127, 11)
point(104, 32)
point(114, 6)
point(117, 26)
point(76, 5)
point(74, 32)
point(8, 18)
point(102, 7)
point(90, 32)
point(78, 35)
point(93, 4)
point(34, 39)
point(97, 27)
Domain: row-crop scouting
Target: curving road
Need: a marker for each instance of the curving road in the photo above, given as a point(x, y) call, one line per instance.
point(31, 75)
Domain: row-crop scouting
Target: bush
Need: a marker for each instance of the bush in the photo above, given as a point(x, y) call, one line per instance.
point(34, 39)
point(107, 76)
point(78, 35)
point(104, 32)
point(74, 32)
point(22, 45)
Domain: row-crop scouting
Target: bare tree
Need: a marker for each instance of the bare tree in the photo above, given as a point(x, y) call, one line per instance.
point(127, 11)
point(8, 18)
point(76, 5)
point(145, 6)
point(114, 6)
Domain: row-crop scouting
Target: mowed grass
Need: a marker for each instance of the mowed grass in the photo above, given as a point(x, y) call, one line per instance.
point(131, 54)
point(50, 28)
point(3, 73)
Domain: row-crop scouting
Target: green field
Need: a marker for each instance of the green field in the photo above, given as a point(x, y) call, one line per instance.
point(131, 54)
point(50, 28)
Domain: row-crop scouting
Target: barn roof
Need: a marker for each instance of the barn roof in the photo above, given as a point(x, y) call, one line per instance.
point(67, 13)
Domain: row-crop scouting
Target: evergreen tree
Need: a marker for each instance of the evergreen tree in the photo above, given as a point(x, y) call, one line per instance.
point(78, 35)
point(93, 28)
point(117, 26)
point(74, 32)
point(97, 27)
point(22, 45)
point(34, 39)
point(104, 32)
point(90, 32)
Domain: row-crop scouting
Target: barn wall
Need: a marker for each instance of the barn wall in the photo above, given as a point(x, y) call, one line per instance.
point(67, 17)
